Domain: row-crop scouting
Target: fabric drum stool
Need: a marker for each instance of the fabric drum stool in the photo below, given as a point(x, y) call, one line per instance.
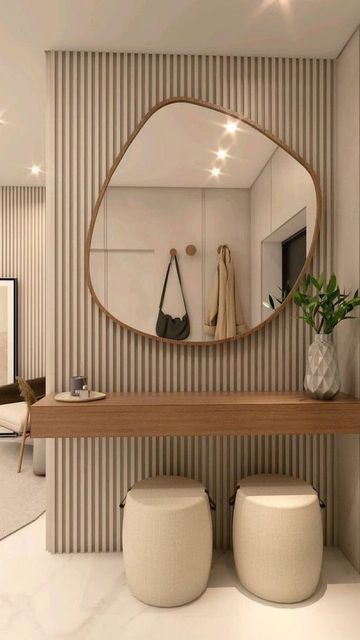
point(167, 540)
point(277, 537)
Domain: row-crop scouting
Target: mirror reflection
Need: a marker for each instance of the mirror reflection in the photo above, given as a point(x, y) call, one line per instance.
point(207, 198)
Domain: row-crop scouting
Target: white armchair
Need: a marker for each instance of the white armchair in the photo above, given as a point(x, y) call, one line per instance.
point(15, 415)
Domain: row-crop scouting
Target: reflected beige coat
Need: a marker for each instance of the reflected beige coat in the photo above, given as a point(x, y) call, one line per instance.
point(224, 317)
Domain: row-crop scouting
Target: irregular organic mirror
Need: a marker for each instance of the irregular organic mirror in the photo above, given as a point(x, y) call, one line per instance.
point(240, 210)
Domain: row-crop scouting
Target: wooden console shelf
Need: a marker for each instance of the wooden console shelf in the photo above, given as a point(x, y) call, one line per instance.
point(195, 413)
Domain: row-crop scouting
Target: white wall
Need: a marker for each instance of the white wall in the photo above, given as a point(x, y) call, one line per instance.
point(138, 226)
point(282, 191)
point(260, 225)
point(347, 267)
point(292, 190)
point(22, 256)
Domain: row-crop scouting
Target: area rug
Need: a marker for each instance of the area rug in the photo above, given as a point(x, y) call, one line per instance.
point(22, 495)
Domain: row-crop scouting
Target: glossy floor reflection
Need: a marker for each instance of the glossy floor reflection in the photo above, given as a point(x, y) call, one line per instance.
point(85, 597)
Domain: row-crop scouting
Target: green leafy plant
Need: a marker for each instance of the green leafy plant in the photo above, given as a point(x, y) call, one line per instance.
point(322, 303)
point(273, 300)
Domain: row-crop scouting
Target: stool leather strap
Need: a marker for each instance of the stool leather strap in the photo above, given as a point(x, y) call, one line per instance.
point(321, 502)
point(212, 502)
point(233, 497)
point(123, 501)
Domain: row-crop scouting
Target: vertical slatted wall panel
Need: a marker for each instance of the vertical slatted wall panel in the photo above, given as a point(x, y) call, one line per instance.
point(22, 256)
point(95, 102)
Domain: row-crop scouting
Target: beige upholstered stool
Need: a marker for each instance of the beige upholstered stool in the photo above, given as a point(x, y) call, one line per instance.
point(277, 537)
point(167, 540)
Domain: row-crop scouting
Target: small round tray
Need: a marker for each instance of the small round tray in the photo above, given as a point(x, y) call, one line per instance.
point(66, 396)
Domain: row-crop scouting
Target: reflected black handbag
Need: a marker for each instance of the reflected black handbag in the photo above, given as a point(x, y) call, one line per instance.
point(166, 326)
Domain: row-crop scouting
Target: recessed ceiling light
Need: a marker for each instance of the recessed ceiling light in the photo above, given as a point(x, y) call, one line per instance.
point(35, 169)
point(215, 171)
point(2, 121)
point(221, 154)
point(231, 126)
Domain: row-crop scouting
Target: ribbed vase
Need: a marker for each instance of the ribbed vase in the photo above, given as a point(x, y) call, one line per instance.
point(322, 378)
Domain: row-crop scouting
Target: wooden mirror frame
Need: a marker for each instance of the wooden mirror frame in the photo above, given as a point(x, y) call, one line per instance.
point(119, 157)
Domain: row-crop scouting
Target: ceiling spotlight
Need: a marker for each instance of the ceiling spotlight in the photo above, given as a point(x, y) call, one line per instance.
point(35, 169)
point(221, 154)
point(231, 126)
point(2, 121)
point(215, 171)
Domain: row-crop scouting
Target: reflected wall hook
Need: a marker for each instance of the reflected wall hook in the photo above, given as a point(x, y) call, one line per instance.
point(190, 250)
point(225, 246)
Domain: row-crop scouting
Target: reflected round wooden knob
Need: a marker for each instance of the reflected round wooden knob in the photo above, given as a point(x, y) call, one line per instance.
point(173, 252)
point(190, 250)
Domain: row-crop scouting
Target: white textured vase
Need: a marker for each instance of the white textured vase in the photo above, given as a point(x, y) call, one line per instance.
point(322, 378)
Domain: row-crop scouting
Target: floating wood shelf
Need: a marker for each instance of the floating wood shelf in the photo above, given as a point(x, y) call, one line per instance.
point(195, 413)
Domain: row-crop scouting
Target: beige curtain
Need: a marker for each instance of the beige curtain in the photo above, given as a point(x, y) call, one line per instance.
point(224, 318)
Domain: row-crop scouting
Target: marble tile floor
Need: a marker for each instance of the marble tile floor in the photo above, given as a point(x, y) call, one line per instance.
point(85, 597)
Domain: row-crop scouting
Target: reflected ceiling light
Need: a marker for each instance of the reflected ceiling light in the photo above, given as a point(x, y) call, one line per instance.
point(222, 154)
point(35, 170)
point(284, 4)
point(215, 171)
point(2, 113)
point(285, 7)
point(231, 126)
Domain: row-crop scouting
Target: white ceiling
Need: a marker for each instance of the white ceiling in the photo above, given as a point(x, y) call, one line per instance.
point(304, 28)
point(177, 148)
